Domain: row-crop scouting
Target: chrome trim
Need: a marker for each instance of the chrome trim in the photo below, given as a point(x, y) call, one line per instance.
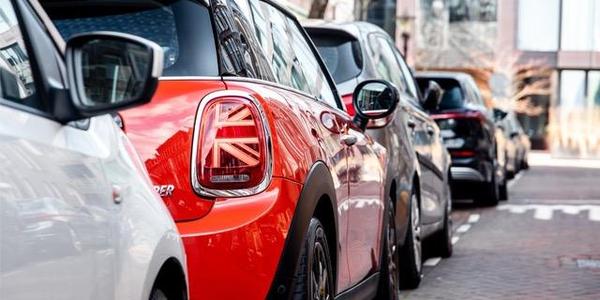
point(467, 174)
point(203, 191)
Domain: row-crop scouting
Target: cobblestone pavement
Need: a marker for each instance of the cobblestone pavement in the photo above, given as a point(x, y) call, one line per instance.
point(544, 243)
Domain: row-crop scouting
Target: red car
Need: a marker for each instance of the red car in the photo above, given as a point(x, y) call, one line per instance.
point(275, 189)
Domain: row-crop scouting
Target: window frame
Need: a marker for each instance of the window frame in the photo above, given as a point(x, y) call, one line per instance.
point(33, 63)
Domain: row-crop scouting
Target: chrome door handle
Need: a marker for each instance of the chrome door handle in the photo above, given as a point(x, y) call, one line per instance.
point(430, 130)
point(349, 139)
point(411, 123)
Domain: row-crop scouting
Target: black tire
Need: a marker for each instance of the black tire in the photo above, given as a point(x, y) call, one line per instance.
point(314, 276)
point(490, 193)
point(441, 243)
point(158, 294)
point(503, 191)
point(411, 254)
point(389, 280)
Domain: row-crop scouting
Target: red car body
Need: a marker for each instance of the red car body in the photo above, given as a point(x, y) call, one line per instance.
point(243, 164)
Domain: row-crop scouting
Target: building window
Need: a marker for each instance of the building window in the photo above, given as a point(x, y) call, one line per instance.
point(580, 25)
point(572, 89)
point(593, 89)
point(538, 25)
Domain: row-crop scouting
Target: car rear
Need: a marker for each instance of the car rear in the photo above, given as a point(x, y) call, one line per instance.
point(232, 208)
point(341, 51)
point(463, 129)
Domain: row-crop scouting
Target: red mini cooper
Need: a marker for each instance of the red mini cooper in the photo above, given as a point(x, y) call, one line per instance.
point(275, 189)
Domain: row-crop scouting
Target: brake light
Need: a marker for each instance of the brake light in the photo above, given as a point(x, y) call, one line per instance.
point(232, 148)
point(461, 115)
point(462, 153)
point(347, 99)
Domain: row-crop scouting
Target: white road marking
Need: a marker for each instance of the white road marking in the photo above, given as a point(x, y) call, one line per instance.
point(432, 262)
point(546, 211)
point(463, 228)
point(455, 239)
point(474, 218)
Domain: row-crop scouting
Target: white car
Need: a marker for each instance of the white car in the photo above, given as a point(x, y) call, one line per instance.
point(78, 216)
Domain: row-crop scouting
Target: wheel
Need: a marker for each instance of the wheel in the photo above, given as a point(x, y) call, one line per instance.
point(411, 254)
point(490, 193)
point(388, 285)
point(314, 277)
point(158, 294)
point(442, 240)
point(503, 191)
point(524, 164)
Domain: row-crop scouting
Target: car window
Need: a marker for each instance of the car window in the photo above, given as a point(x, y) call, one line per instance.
point(292, 60)
point(183, 28)
point(240, 49)
point(385, 61)
point(453, 96)
point(410, 82)
point(16, 77)
point(341, 54)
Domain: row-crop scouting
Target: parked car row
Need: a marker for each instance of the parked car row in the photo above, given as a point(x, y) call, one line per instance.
point(281, 175)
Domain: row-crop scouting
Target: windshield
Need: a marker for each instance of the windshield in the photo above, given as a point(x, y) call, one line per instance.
point(341, 55)
point(453, 95)
point(181, 27)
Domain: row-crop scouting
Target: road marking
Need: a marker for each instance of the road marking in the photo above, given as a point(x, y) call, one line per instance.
point(432, 262)
point(455, 239)
point(588, 263)
point(546, 211)
point(474, 218)
point(463, 228)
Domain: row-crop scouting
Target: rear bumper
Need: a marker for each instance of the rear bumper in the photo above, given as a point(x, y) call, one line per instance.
point(466, 174)
point(234, 251)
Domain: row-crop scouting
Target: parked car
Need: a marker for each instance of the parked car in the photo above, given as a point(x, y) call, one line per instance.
point(359, 51)
point(470, 133)
point(78, 216)
point(276, 192)
point(519, 145)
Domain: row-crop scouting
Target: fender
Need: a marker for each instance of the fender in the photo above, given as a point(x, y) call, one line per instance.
point(318, 183)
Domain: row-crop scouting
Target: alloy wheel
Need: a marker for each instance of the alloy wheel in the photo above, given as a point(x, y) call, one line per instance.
point(416, 228)
point(320, 286)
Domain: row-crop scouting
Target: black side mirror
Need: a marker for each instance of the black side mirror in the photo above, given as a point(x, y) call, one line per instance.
point(375, 101)
point(108, 71)
point(432, 96)
point(499, 114)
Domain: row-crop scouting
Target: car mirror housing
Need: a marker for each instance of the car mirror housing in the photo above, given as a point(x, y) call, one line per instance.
point(374, 102)
point(432, 96)
point(108, 71)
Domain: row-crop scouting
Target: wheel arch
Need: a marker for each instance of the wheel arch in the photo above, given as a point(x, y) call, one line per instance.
point(172, 280)
point(317, 198)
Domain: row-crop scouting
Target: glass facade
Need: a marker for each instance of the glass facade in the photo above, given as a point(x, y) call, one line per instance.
point(580, 25)
point(531, 36)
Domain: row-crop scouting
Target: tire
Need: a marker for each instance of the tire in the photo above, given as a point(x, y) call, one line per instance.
point(490, 193)
point(503, 191)
point(411, 254)
point(388, 283)
point(314, 277)
point(158, 294)
point(442, 240)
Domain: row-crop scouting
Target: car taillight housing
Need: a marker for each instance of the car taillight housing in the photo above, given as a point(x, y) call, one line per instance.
point(231, 150)
point(347, 99)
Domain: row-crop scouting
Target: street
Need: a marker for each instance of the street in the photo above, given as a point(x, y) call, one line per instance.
point(542, 243)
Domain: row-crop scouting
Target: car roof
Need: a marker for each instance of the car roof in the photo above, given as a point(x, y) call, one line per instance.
point(357, 29)
point(444, 74)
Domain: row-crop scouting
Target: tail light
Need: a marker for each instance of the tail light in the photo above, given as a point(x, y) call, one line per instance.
point(462, 153)
point(461, 115)
point(231, 150)
point(347, 99)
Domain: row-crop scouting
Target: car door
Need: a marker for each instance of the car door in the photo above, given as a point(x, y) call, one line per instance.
point(56, 220)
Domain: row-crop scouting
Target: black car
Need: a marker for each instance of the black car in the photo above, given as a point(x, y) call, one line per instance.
point(470, 133)
point(418, 162)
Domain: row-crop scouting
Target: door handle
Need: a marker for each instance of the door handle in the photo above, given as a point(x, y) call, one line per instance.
point(411, 123)
point(349, 139)
point(117, 194)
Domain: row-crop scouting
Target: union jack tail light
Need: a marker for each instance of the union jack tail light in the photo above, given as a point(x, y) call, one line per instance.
point(233, 151)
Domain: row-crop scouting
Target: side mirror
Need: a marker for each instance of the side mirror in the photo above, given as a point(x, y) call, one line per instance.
point(108, 71)
point(374, 102)
point(499, 114)
point(432, 96)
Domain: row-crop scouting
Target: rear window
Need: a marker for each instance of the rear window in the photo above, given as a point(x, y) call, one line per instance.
point(453, 95)
point(181, 27)
point(341, 55)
